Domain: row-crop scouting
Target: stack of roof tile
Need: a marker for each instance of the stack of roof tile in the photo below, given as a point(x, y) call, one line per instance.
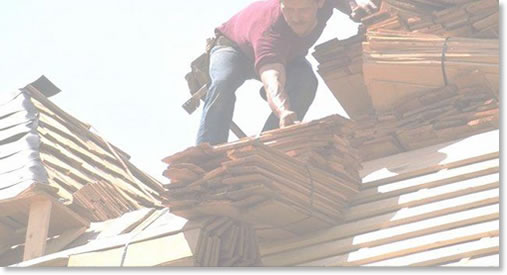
point(296, 179)
point(48, 155)
point(86, 170)
point(467, 18)
point(458, 110)
point(414, 53)
point(397, 64)
point(341, 67)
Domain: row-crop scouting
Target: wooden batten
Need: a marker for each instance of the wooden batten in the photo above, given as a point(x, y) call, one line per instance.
point(38, 227)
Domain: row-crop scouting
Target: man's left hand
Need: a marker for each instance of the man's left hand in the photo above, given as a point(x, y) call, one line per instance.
point(362, 8)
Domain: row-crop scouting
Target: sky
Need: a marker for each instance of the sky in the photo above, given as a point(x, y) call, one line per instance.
point(121, 64)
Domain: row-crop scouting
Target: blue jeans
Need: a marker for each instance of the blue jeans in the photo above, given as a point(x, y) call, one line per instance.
point(229, 69)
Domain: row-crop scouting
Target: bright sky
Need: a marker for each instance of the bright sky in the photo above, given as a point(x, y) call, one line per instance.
point(121, 67)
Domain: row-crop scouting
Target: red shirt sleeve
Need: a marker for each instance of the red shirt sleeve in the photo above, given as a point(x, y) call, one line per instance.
point(270, 48)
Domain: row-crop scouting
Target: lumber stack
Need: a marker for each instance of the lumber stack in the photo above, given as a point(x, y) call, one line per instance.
point(262, 186)
point(296, 179)
point(341, 67)
point(398, 64)
point(429, 117)
point(322, 143)
point(223, 242)
point(340, 64)
point(445, 18)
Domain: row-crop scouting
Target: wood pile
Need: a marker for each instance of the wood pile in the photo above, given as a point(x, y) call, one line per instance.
point(298, 178)
point(341, 67)
point(414, 61)
point(430, 117)
point(445, 18)
point(223, 242)
point(398, 64)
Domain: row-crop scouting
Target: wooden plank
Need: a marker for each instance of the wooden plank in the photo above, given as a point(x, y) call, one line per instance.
point(444, 255)
point(105, 258)
point(317, 253)
point(430, 170)
point(479, 261)
point(37, 229)
point(424, 196)
point(401, 217)
point(424, 243)
point(185, 262)
point(60, 261)
point(158, 251)
point(433, 180)
point(125, 222)
point(441, 174)
point(150, 252)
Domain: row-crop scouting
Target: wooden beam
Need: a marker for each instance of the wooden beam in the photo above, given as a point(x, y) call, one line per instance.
point(37, 230)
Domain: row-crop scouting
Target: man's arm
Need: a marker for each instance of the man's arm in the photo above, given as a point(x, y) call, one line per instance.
point(273, 78)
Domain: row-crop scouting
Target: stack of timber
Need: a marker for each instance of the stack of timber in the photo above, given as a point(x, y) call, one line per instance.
point(467, 18)
point(398, 64)
point(149, 237)
point(467, 107)
point(253, 181)
point(441, 207)
point(341, 67)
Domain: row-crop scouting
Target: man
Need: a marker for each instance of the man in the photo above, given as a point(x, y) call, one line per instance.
point(268, 41)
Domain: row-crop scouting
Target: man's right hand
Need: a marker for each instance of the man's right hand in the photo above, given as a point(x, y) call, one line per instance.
point(288, 118)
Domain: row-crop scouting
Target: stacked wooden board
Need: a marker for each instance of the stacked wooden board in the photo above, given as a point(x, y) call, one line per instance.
point(421, 62)
point(399, 64)
point(429, 117)
point(445, 18)
point(341, 67)
point(431, 207)
point(286, 182)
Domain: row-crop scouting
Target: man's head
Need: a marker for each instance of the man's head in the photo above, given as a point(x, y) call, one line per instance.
point(301, 15)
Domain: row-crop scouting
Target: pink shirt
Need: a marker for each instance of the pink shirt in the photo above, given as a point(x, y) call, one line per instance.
point(261, 32)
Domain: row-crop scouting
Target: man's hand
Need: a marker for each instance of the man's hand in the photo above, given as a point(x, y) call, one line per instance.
point(288, 118)
point(362, 8)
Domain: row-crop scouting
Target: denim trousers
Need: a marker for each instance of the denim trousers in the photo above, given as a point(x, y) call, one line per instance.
point(229, 69)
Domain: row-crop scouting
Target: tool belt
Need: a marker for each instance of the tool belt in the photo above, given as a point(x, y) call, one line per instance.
point(199, 75)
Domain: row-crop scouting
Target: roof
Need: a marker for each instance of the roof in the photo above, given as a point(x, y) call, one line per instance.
point(44, 147)
point(46, 153)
